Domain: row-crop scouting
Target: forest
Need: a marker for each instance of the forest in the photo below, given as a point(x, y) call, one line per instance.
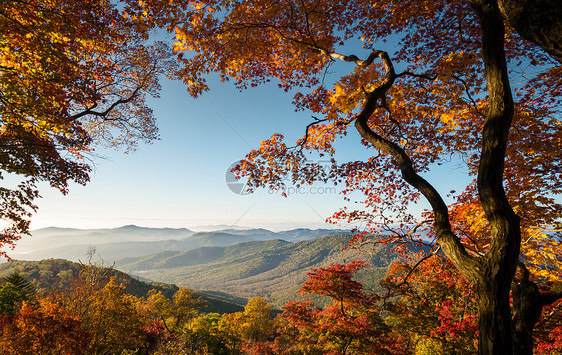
point(61, 307)
point(471, 82)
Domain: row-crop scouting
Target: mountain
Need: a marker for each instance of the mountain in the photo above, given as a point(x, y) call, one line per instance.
point(243, 263)
point(274, 269)
point(52, 274)
point(131, 241)
point(53, 237)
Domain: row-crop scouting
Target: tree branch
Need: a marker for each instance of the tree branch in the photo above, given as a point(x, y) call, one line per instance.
point(104, 114)
point(448, 241)
point(305, 139)
point(505, 229)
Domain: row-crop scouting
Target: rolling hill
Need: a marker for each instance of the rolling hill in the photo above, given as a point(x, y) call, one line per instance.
point(274, 269)
point(52, 274)
point(239, 262)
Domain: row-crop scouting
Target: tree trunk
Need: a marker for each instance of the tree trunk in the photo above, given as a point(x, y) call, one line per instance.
point(528, 304)
point(497, 268)
point(494, 322)
point(539, 21)
point(527, 309)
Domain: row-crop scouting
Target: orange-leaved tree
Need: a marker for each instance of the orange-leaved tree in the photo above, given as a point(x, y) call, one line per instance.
point(72, 73)
point(115, 321)
point(350, 324)
point(42, 328)
point(461, 83)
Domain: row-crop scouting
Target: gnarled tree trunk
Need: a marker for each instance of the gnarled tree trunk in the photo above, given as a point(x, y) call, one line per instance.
point(538, 21)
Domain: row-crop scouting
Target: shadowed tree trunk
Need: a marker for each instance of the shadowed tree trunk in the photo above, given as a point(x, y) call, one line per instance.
point(538, 21)
point(528, 303)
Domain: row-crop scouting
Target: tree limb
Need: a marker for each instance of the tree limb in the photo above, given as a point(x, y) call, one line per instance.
point(538, 21)
point(447, 240)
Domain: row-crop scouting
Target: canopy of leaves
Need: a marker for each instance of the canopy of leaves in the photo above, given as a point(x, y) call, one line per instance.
point(434, 111)
point(461, 85)
point(72, 73)
point(350, 324)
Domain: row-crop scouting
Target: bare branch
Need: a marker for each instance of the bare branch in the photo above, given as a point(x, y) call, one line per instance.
point(104, 114)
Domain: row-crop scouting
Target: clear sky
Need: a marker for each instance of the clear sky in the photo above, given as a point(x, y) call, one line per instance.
point(179, 181)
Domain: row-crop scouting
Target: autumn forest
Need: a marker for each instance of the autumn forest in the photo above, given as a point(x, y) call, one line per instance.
point(420, 84)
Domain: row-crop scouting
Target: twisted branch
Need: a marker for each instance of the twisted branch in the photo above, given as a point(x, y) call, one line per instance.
point(447, 240)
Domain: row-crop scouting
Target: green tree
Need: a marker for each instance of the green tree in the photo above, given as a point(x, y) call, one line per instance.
point(254, 325)
point(206, 336)
point(175, 313)
point(13, 292)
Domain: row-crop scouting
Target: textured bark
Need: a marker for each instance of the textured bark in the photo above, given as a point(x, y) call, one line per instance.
point(527, 310)
point(499, 264)
point(494, 321)
point(538, 21)
point(528, 303)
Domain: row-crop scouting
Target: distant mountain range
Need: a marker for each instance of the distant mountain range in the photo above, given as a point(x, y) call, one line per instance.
point(130, 241)
point(274, 269)
point(240, 262)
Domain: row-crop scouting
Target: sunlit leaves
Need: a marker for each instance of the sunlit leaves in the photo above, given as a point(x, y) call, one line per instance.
point(434, 307)
point(72, 74)
point(42, 328)
point(350, 323)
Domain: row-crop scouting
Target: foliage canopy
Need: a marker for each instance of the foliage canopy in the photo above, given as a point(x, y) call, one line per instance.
point(461, 83)
point(72, 74)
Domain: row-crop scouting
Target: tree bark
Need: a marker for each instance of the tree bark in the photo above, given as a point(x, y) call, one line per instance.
point(494, 311)
point(538, 21)
point(528, 304)
point(527, 310)
point(497, 267)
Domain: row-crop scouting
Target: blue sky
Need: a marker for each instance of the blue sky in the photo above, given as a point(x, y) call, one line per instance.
point(179, 181)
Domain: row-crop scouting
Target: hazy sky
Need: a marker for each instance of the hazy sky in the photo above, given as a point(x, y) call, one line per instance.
point(179, 181)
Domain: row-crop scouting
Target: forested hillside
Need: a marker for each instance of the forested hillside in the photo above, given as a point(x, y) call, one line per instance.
point(130, 241)
point(274, 269)
point(57, 274)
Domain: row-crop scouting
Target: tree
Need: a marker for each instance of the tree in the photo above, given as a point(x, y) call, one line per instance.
point(250, 328)
point(13, 292)
point(432, 305)
point(72, 74)
point(42, 329)
point(205, 335)
point(113, 319)
point(176, 313)
point(350, 324)
point(230, 326)
point(454, 96)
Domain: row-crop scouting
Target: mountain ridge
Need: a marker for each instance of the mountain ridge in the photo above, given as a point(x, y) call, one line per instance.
point(274, 269)
point(132, 240)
